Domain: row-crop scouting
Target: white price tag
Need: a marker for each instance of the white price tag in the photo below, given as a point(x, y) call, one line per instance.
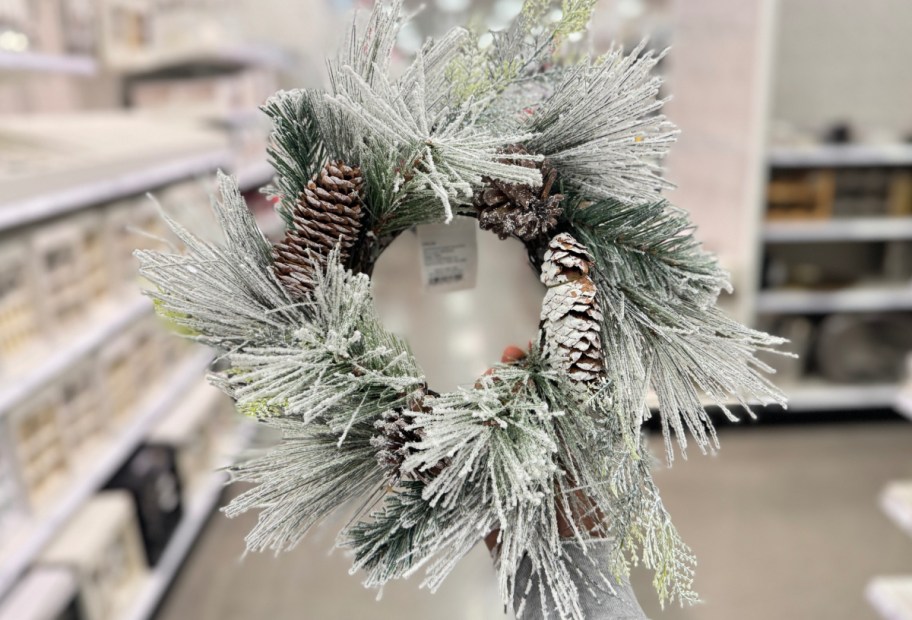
point(449, 255)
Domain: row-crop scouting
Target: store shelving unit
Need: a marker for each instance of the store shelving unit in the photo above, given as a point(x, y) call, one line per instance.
point(57, 192)
point(102, 324)
point(824, 228)
point(27, 545)
point(47, 63)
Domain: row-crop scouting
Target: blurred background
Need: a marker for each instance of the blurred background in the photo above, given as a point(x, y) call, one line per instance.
point(795, 161)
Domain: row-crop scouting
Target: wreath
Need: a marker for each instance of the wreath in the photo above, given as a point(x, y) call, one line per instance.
point(562, 156)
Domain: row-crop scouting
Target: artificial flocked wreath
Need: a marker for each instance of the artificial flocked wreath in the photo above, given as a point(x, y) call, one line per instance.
point(562, 156)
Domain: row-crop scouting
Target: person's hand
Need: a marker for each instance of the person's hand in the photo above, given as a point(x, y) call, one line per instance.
point(588, 518)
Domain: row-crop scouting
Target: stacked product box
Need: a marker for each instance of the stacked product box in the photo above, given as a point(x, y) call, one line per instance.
point(103, 547)
point(82, 412)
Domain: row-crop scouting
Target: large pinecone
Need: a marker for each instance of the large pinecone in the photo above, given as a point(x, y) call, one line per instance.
point(328, 212)
point(519, 210)
point(393, 435)
point(571, 319)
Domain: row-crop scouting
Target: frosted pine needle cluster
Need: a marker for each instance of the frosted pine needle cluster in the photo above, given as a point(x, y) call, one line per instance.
point(541, 450)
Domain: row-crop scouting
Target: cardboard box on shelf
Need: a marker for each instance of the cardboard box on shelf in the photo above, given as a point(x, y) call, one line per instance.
point(58, 250)
point(95, 249)
point(82, 413)
point(19, 325)
point(118, 379)
point(41, 456)
point(103, 547)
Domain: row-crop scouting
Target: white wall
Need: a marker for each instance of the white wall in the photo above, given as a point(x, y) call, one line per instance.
point(844, 60)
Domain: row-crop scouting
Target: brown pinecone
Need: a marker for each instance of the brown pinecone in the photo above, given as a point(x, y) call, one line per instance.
point(393, 435)
point(571, 319)
point(328, 212)
point(520, 210)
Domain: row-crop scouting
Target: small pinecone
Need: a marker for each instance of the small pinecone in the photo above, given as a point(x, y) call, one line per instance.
point(520, 210)
point(393, 436)
point(571, 319)
point(328, 212)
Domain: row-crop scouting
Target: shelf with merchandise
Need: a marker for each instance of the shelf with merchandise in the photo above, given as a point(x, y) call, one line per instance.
point(32, 536)
point(51, 359)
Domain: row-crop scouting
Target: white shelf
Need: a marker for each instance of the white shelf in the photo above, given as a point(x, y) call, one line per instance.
point(108, 319)
point(904, 400)
point(50, 63)
point(853, 299)
point(825, 396)
point(819, 395)
point(896, 501)
point(28, 545)
point(110, 187)
point(846, 229)
point(254, 176)
point(891, 597)
point(841, 155)
point(195, 517)
point(205, 54)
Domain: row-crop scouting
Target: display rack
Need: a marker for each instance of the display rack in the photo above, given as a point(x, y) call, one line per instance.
point(175, 152)
point(875, 293)
point(39, 532)
point(106, 320)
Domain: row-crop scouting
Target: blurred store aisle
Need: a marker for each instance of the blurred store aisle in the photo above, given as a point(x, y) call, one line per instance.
point(785, 523)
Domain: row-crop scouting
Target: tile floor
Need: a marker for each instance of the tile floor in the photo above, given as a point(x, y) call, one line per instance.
point(784, 520)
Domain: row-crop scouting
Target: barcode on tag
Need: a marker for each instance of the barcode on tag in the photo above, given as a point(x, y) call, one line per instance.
point(449, 255)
